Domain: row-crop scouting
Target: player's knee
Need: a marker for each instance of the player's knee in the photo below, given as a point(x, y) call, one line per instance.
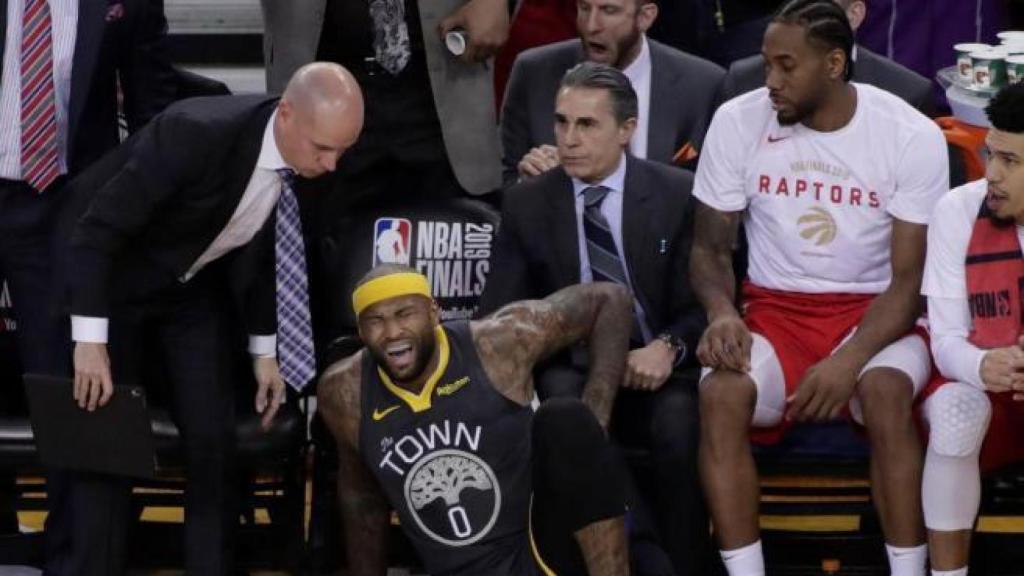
point(958, 415)
point(885, 393)
point(726, 397)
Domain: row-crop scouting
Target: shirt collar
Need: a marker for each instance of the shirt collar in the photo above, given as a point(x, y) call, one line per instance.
point(270, 156)
point(641, 65)
point(616, 181)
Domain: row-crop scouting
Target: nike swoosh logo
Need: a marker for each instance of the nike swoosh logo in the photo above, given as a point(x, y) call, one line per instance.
point(379, 415)
point(774, 139)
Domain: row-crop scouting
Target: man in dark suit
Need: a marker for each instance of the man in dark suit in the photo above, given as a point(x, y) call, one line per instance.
point(430, 117)
point(606, 215)
point(868, 68)
point(80, 51)
point(199, 199)
point(676, 91)
point(86, 46)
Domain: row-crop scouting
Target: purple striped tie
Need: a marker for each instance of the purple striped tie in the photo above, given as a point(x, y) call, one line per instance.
point(295, 353)
point(38, 107)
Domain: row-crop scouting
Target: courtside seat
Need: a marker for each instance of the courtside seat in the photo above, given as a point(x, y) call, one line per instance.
point(450, 241)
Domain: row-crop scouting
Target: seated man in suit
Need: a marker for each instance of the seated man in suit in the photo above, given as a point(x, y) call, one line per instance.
point(606, 215)
point(675, 91)
point(435, 421)
point(200, 199)
point(869, 68)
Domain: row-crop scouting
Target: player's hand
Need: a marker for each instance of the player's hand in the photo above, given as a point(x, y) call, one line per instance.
point(824, 390)
point(726, 344)
point(486, 25)
point(538, 161)
point(1002, 370)
point(269, 389)
point(93, 384)
point(649, 367)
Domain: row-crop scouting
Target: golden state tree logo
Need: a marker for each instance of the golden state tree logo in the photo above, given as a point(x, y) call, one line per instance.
point(817, 225)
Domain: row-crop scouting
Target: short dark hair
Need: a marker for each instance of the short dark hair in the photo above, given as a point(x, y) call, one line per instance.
point(1006, 109)
point(604, 77)
point(825, 23)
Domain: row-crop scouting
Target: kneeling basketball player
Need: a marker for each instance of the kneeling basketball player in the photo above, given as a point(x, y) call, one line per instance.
point(435, 421)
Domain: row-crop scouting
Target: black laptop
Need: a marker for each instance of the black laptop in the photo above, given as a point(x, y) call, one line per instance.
point(114, 439)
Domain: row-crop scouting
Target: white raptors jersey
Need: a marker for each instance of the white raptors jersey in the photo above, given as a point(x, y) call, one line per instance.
point(820, 205)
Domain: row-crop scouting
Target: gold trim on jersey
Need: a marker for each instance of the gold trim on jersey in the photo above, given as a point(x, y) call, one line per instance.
point(533, 545)
point(421, 402)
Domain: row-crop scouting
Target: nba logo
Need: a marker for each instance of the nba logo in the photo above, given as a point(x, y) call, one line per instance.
point(392, 239)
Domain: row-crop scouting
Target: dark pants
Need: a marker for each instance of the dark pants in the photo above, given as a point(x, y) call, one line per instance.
point(27, 220)
point(668, 506)
point(576, 481)
point(26, 230)
point(184, 326)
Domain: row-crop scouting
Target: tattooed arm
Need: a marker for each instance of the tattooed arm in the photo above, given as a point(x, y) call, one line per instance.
point(519, 335)
point(365, 511)
point(726, 342)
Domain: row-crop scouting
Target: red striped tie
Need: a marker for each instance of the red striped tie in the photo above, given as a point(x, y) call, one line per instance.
point(38, 109)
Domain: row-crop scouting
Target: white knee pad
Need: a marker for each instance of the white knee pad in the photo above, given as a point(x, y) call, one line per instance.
point(958, 415)
point(769, 381)
point(909, 355)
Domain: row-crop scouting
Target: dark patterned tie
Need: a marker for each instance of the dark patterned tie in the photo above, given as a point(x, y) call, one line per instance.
point(295, 352)
point(38, 105)
point(605, 264)
point(390, 34)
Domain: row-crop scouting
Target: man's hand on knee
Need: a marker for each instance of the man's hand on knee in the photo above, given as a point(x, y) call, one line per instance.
point(824, 390)
point(726, 344)
point(649, 367)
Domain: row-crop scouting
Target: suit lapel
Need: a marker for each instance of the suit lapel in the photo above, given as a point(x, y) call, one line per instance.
point(88, 39)
point(664, 106)
point(636, 221)
point(562, 223)
point(246, 153)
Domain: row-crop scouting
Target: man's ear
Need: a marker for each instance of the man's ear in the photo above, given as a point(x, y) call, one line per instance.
point(646, 14)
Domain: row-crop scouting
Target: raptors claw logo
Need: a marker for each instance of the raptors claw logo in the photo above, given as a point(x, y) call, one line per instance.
point(818, 225)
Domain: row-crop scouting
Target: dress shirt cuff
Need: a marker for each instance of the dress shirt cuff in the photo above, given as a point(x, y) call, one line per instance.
point(89, 329)
point(263, 346)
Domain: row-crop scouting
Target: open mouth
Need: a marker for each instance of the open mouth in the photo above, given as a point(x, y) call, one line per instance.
point(400, 354)
point(597, 50)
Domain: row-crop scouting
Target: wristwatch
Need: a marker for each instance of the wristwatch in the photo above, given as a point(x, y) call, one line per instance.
point(675, 343)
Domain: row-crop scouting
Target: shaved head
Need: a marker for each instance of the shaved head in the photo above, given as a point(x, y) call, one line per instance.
point(319, 117)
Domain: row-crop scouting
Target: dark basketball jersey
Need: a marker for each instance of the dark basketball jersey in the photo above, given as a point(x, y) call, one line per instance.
point(454, 461)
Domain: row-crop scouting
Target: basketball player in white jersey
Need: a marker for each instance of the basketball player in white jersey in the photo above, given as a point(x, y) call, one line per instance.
point(834, 183)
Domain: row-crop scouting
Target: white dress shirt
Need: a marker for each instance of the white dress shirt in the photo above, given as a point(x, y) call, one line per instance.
point(639, 74)
point(257, 203)
point(64, 19)
point(611, 209)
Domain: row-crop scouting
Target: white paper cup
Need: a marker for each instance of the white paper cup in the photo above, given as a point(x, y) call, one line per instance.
point(989, 68)
point(963, 60)
point(1014, 68)
point(456, 42)
point(1010, 36)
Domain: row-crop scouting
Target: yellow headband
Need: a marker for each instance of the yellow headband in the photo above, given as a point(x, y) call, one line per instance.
point(390, 286)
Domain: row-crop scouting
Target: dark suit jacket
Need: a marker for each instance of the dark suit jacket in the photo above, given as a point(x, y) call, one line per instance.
point(537, 248)
point(112, 41)
point(157, 202)
point(870, 68)
point(683, 93)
